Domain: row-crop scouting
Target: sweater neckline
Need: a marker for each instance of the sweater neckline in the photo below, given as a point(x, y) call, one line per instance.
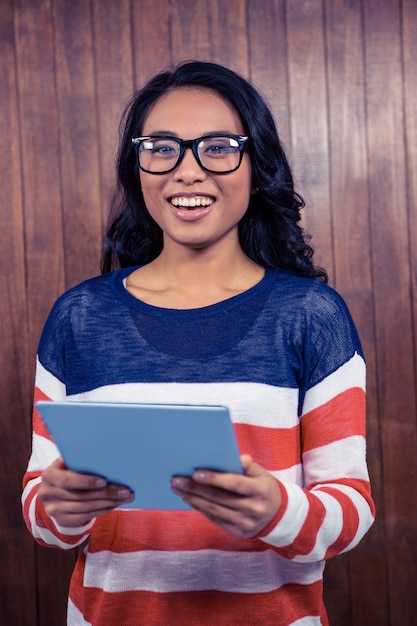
point(118, 280)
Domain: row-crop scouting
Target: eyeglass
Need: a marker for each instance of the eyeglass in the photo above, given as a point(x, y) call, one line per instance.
point(219, 154)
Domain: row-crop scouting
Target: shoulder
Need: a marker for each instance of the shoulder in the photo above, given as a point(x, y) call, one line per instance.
point(91, 299)
point(91, 292)
point(78, 295)
point(309, 295)
point(313, 312)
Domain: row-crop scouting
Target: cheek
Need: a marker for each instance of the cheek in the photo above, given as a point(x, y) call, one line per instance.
point(151, 191)
point(244, 188)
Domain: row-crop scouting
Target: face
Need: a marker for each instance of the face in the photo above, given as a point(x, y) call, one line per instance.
point(195, 208)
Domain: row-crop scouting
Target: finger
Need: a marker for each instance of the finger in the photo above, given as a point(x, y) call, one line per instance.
point(67, 479)
point(233, 520)
point(246, 460)
point(78, 513)
point(236, 484)
point(82, 507)
point(113, 493)
point(197, 495)
point(73, 519)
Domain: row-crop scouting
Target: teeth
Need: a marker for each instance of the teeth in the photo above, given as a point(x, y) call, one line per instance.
point(192, 202)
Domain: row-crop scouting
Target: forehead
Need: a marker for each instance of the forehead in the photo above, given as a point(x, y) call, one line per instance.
point(192, 111)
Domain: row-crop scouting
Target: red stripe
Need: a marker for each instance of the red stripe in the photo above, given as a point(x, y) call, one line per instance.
point(164, 531)
point(39, 427)
point(29, 476)
point(200, 608)
point(341, 417)
point(28, 500)
point(363, 487)
point(350, 522)
point(306, 538)
point(273, 448)
point(279, 514)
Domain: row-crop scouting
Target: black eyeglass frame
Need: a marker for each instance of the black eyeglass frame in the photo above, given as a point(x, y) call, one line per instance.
point(193, 144)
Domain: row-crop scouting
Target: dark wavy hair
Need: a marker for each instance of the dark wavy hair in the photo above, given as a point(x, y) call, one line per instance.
point(269, 232)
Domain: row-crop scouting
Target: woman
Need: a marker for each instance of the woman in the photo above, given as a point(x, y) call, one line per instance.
point(214, 299)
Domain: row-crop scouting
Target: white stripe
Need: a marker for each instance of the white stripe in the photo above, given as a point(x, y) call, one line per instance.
point(311, 620)
point(293, 474)
point(351, 374)
point(329, 531)
point(51, 386)
point(249, 403)
point(290, 524)
point(340, 459)
point(44, 452)
point(333, 523)
point(75, 617)
point(159, 571)
point(366, 518)
point(296, 512)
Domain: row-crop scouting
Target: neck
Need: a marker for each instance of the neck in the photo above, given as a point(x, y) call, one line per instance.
point(203, 267)
point(193, 279)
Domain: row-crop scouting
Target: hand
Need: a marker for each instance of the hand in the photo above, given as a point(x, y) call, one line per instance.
point(73, 499)
point(241, 505)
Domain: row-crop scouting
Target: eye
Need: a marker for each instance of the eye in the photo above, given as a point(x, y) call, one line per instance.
point(160, 147)
point(219, 146)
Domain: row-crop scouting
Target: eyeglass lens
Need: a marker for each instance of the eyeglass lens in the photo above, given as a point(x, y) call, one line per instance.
point(217, 154)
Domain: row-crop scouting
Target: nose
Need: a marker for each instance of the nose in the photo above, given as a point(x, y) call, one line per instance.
point(189, 170)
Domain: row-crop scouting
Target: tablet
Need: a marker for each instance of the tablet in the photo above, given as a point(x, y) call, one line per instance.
point(143, 446)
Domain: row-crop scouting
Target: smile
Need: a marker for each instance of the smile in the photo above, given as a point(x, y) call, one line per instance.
point(191, 203)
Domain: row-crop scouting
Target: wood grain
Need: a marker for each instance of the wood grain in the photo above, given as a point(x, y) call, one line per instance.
point(191, 38)
point(360, 578)
point(309, 130)
point(268, 60)
point(18, 571)
point(393, 314)
point(78, 138)
point(114, 85)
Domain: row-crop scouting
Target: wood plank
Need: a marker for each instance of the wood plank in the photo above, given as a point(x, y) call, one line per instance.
point(42, 229)
point(18, 572)
point(228, 34)
point(409, 54)
point(114, 86)
point(190, 36)
point(309, 131)
point(40, 161)
point(150, 38)
point(392, 282)
point(78, 135)
point(409, 20)
point(357, 580)
point(268, 60)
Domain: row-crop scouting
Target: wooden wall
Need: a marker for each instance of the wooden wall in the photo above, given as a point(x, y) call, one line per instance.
point(341, 78)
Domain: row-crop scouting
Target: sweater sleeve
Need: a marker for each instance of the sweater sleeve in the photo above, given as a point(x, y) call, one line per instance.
point(48, 386)
point(333, 510)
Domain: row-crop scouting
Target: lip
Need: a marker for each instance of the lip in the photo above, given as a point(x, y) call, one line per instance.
point(191, 207)
point(190, 215)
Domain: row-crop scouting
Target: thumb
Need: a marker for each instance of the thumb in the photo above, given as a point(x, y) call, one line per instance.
point(250, 468)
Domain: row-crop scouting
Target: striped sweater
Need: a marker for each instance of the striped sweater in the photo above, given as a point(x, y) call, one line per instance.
point(286, 359)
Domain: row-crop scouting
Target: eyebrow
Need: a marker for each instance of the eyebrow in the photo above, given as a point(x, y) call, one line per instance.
point(212, 133)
